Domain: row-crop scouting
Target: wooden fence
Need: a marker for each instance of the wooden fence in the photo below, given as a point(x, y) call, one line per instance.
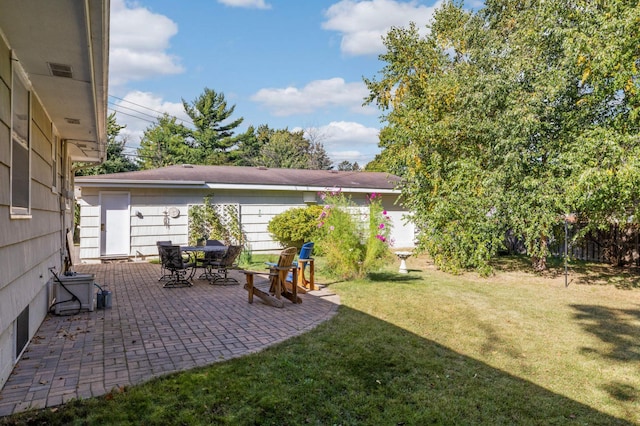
point(618, 246)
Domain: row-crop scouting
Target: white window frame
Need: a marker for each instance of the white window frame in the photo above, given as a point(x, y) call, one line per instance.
point(18, 77)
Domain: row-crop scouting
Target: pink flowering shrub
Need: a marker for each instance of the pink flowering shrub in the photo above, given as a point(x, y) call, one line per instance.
point(352, 246)
point(379, 229)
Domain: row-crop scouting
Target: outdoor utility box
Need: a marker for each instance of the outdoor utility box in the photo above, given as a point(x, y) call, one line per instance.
point(81, 285)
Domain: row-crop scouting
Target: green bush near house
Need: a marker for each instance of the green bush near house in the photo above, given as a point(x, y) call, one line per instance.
point(295, 226)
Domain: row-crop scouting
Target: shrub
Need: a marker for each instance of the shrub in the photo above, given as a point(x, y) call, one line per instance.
point(295, 226)
point(352, 244)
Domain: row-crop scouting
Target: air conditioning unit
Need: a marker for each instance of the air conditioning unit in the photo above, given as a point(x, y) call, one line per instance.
point(80, 285)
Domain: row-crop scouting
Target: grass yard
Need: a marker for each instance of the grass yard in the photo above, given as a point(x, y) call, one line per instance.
point(416, 349)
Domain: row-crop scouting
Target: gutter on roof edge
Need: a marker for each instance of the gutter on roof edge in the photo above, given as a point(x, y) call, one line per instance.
point(121, 182)
point(110, 183)
point(299, 188)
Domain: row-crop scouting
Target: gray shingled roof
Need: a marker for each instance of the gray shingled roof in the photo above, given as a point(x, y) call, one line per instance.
point(234, 175)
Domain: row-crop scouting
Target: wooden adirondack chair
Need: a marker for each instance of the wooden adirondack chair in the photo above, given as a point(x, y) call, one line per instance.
point(277, 281)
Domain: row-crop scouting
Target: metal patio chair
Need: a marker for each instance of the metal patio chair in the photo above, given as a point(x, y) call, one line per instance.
point(208, 258)
point(180, 271)
point(223, 265)
point(165, 274)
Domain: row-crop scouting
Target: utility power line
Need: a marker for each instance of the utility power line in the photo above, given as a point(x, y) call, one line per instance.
point(114, 105)
point(130, 115)
point(158, 113)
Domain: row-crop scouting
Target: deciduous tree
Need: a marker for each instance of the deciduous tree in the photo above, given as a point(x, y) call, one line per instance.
point(503, 120)
point(280, 148)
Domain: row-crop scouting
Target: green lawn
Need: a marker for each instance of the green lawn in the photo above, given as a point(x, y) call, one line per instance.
point(417, 349)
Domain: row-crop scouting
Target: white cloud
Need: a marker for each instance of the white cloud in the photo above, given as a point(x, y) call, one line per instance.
point(250, 4)
point(348, 141)
point(318, 94)
point(139, 40)
point(362, 24)
point(139, 110)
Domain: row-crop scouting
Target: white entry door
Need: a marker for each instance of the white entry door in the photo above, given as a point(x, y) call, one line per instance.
point(114, 223)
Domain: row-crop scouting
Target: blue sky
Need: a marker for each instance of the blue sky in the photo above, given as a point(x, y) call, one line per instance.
point(296, 64)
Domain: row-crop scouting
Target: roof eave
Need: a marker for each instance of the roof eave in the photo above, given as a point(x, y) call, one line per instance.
point(128, 183)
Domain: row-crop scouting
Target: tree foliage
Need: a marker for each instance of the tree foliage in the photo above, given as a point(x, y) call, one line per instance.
point(165, 143)
point(116, 160)
point(510, 117)
point(212, 140)
point(347, 166)
point(281, 148)
point(213, 133)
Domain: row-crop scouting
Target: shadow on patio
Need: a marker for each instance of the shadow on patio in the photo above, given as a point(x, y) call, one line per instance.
point(148, 331)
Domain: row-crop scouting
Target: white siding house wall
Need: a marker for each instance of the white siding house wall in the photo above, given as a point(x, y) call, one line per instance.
point(151, 222)
point(31, 244)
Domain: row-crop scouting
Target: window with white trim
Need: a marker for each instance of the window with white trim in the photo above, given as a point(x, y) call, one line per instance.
point(20, 146)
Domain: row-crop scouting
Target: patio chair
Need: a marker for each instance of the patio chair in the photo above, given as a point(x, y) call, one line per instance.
point(165, 274)
point(277, 281)
point(222, 266)
point(179, 271)
point(208, 258)
point(279, 273)
point(304, 259)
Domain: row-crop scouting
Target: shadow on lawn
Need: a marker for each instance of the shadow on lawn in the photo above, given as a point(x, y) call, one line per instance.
point(602, 274)
point(620, 330)
point(617, 327)
point(580, 272)
point(512, 263)
point(381, 277)
point(446, 386)
point(393, 276)
point(370, 371)
point(522, 263)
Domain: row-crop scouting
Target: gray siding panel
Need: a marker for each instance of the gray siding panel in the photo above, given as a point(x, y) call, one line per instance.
point(29, 246)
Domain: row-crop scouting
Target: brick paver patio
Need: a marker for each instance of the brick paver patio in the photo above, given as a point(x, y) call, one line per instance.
point(148, 331)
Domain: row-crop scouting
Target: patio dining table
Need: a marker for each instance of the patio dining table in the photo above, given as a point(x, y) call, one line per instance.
point(204, 249)
point(192, 251)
